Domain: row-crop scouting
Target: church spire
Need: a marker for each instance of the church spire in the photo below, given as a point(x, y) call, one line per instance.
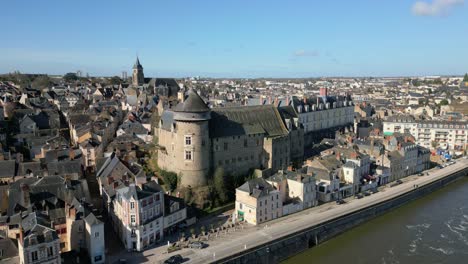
point(138, 77)
point(137, 64)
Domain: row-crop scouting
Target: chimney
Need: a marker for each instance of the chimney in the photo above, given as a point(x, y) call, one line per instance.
point(287, 100)
point(25, 194)
point(21, 234)
point(338, 155)
point(299, 177)
point(323, 91)
point(72, 154)
point(276, 101)
point(269, 100)
point(304, 99)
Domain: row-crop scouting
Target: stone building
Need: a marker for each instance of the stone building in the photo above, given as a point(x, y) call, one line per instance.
point(236, 139)
point(324, 111)
point(257, 201)
point(432, 134)
point(38, 243)
point(138, 215)
point(138, 77)
point(85, 231)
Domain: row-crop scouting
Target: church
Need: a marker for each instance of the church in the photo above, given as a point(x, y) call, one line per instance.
point(162, 87)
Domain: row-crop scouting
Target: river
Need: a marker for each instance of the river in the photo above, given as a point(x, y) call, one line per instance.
point(432, 229)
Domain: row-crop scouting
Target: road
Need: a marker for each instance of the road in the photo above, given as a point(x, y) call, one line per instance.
point(252, 236)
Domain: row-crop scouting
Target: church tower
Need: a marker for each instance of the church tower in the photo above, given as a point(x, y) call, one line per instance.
point(138, 78)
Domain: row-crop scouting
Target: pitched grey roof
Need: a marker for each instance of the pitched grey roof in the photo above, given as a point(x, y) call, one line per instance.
point(92, 220)
point(257, 187)
point(192, 104)
point(167, 119)
point(246, 120)
point(32, 227)
point(7, 168)
point(9, 249)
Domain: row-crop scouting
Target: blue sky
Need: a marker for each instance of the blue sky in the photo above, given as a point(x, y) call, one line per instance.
point(251, 38)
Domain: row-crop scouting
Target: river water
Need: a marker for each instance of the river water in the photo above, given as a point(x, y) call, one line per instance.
point(432, 229)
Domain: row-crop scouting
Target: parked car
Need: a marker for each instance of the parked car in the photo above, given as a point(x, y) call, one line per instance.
point(197, 245)
point(420, 174)
point(340, 201)
point(367, 193)
point(399, 182)
point(176, 259)
point(358, 196)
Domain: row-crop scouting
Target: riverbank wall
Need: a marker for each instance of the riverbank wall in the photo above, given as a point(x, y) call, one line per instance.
point(297, 242)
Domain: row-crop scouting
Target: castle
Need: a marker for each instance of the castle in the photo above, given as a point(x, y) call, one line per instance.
point(195, 140)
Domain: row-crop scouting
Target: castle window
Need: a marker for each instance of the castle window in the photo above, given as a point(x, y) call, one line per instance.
point(225, 146)
point(188, 155)
point(245, 143)
point(188, 140)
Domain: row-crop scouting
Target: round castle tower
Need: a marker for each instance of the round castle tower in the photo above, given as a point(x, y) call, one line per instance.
point(193, 142)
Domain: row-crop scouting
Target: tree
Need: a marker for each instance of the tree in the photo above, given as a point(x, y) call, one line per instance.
point(444, 102)
point(188, 195)
point(170, 179)
point(41, 82)
point(438, 81)
point(465, 79)
point(219, 185)
point(115, 80)
point(70, 77)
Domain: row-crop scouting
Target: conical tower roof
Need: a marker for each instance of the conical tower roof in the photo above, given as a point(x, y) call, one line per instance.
point(192, 104)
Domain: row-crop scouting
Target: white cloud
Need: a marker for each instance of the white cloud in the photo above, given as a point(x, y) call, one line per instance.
point(305, 53)
point(436, 7)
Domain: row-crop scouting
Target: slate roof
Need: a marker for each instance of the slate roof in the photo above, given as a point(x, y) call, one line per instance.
point(33, 167)
point(32, 227)
point(65, 167)
point(7, 168)
point(92, 220)
point(167, 119)
point(9, 249)
point(133, 128)
point(164, 86)
point(257, 187)
point(53, 191)
point(247, 120)
point(139, 193)
point(137, 64)
point(192, 104)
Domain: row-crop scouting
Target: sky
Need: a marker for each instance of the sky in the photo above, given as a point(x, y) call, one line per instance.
point(238, 38)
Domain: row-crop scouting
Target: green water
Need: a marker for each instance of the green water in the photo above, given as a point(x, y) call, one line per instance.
point(433, 229)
